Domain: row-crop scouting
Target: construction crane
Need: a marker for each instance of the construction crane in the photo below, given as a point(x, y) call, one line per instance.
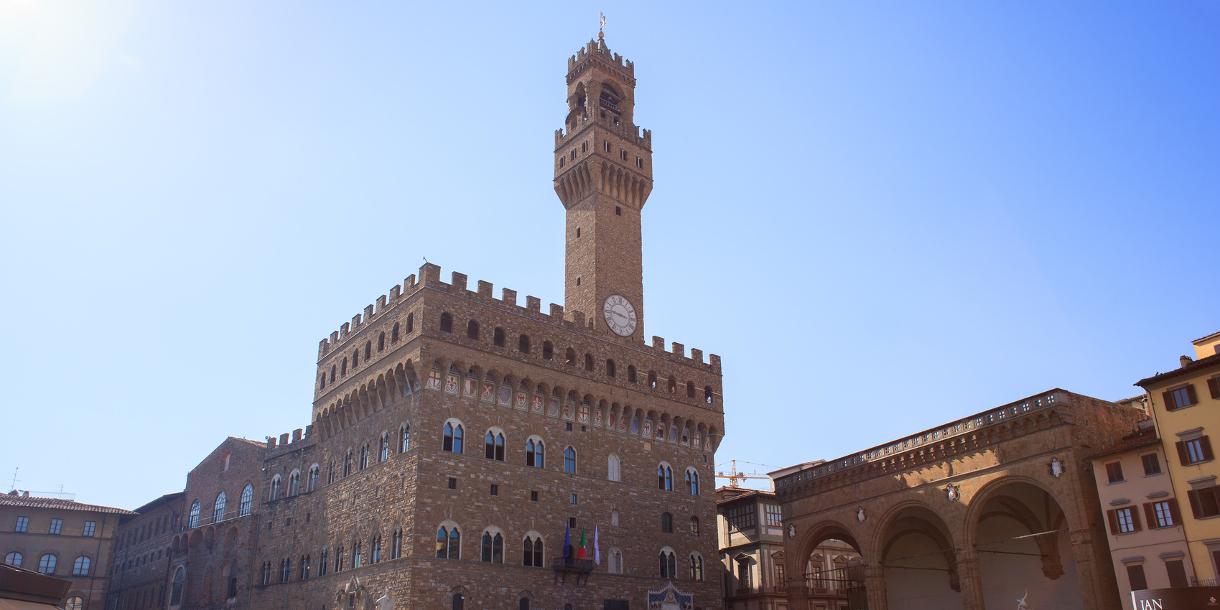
point(733, 475)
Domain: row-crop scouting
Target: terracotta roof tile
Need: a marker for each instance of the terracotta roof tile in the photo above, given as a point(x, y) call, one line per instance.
point(13, 499)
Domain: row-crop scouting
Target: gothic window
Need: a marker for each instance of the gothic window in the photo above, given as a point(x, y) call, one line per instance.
point(357, 554)
point(672, 384)
point(631, 373)
point(339, 559)
point(381, 342)
point(492, 546)
point(668, 563)
point(347, 463)
point(80, 567)
point(330, 472)
point(665, 477)
point(332, 373)
point(323, 562)
point(446, 322)
point(523, 603)
point(588, 362)
point(610, 368)
point(707, 394)
point(493, 445)
point(667, 523)
point(410, 322)
point(304, 576)
point(246, 501)
point(548, 350)
point(404, 438)
point(275, 487)
point(312, 482)
point(322, 381)
point(343, 368)
point(368, 350)
point(192, 518)
point(448, 542)
point(569, 356)
point(375, 550)
point(692, 481)
point(394, 333)
point(652, 380)
point(175, 590)
point(535, 452)
point(694, 525)
point(531, 550)
point(364, 456)
point(497, 337)
point(396, 544)
point(294, 483)
point(383, 450)
point(616, 561)
point(613, 468)
point(355, 358)
point(523, 344)
point(569, 460)
point(472, 330)
point(609, 99)
point(690, 389)
point(696, 567)
point(452, 436)
point(459, 602)
point(218, 507)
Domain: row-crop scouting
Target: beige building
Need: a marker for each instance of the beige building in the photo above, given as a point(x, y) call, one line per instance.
point(61, 538)
point(1143, 520)
point(1185, 403)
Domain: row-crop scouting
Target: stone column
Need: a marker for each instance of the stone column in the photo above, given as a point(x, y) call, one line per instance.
point(874, 587)
point(970, 577)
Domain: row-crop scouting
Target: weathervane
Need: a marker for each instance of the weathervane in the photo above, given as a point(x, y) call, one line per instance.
point(601, 25)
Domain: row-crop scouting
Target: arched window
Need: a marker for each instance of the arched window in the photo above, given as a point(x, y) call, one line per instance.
point(667, 523)
point(535, 452)
point(404, 438)
point(332, 373)
point(312, 483)
point(322, 381)
point(696, 567)
point(672, 384)
point(694, 525)
point(707, 394)
point(459, 602)
point(246, 501)
point(668, 563)
point(294, 483)
point(368, 350)
point(493, 445)
point(394, 333)
point(175, 591)
point(692, 481)
point(569, 356)
point(665, 477)
point(218, 508)
point(46, 564)
point(616, 561)
point(343, 368)
point(498, 337)
point(472, 330)
point(74, 603)
point(548, 350)
point(375, 550)
point(14, 559)
point(364, 456)
point(347, 463)
point(690, 389)
point(588, 362)
point(396, 544)
point(523, 344)
point(448, 542)
point(357, 554)
point(192, 518)
point(523, 603)
point(531, 550)
point(452, 436)
point(446, 322)
point(613, 468)
point(614, 518)
point(609, 368)
point(381, 342)
point(492, 546)
point(355, 358)
point(383, 450)
point(410, 322)
point(275, 487)
point(631, 373)
point(652, 380)
point(569, 460)
point(80, 567)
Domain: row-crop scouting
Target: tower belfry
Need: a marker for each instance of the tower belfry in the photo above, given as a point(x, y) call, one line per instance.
point(603, 176)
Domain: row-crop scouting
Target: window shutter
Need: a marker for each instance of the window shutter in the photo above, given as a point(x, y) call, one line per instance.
point(1190, 391)
point(1195, 508)
point(1207, 447)
point(1174, 512)
point(1150, 515)
point(1182, 455)
point(1213, 385)
point(1135, 519)
point(1167, 397)
point(1112, 517)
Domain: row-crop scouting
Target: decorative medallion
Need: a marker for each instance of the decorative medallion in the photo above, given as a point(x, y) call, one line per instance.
point(953, 492)
point(669, 598)
point(1056, 467)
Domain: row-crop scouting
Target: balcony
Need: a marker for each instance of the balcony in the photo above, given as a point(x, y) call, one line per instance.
point(579, 569)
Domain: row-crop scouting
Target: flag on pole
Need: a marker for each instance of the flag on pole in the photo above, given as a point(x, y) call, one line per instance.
point(567, 544)
point(597, 548)
point(583, 551)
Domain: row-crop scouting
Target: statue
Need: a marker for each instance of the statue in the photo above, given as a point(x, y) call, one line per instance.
point(1021, 605)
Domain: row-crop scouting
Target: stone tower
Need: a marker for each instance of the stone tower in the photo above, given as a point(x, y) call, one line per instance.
point(603, 176)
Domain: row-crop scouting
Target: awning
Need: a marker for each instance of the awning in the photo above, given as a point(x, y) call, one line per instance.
point(16, 604)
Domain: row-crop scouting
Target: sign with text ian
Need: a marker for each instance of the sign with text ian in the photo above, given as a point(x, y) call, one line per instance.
point(1184, 598)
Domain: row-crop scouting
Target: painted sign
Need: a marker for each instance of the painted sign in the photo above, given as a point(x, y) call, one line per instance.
point(1181, 598)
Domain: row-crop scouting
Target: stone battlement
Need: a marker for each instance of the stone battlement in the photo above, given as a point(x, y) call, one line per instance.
point(633, 133)
point(430, 277)
point(289, 441)
point(598, 50)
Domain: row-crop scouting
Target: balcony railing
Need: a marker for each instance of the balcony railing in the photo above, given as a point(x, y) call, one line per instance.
point(578, 568)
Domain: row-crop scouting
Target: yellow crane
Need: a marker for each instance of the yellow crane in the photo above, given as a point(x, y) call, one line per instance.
point(734, 475)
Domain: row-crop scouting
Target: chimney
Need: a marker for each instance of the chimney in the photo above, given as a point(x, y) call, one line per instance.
point(1185, 360)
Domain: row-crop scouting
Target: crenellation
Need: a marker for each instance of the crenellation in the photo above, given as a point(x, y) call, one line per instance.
point(508, 295)
point(395, 292)
point(485, 289)
point(344, 330)
point(533, 304)
point(557, 311)
point(458, 281)
point(381, 302)
point(429, 274)
point(696, 355)
point(658, 343)
point(679, 350)
point(578, 317)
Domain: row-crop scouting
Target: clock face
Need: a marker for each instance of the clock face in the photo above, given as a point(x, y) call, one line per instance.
point(620, 315)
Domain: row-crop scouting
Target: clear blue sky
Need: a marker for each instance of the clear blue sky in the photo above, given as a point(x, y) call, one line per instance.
point(883, 217)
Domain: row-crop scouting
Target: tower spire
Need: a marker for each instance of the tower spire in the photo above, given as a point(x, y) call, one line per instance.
point(601, 25)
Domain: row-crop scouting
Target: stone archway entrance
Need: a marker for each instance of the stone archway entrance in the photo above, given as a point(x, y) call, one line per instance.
point(1024, 550)
point(833, 574)
point(919, 562)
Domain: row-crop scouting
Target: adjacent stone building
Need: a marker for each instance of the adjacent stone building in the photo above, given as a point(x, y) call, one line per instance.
point(466, 450)
point(139, 572)
point(61, 538)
